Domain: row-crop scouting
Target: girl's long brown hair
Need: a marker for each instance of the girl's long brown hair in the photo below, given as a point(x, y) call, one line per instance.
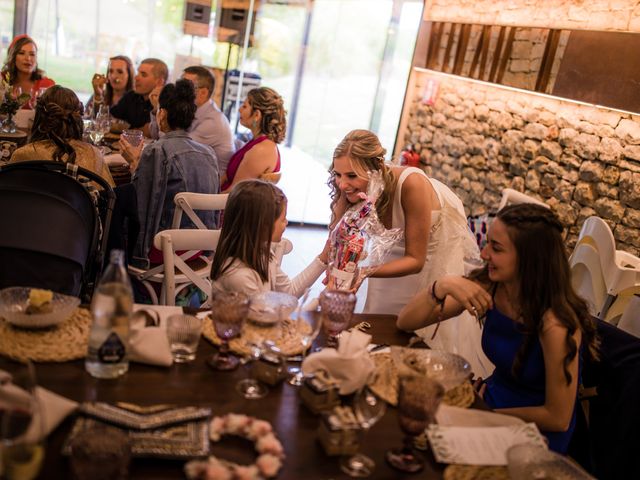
point(251, 211)
point(545, 281)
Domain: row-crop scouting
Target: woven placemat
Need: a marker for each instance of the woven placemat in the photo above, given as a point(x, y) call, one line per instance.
point(385, 385)
point(67, 341)
point(476, 472)
point(284, 335)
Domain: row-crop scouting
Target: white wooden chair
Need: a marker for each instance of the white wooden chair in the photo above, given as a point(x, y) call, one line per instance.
point(630, 319)
point(179, 274)
point(511, 196)
point(620, 270)
point(188, 203)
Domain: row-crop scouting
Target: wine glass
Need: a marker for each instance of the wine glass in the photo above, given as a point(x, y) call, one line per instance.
point(96, 132)
point(336, 309)
point(368, 409)
point(250, 388)
point(21, 424)
point(229, 311)
point(308, 327)
point(418, 402)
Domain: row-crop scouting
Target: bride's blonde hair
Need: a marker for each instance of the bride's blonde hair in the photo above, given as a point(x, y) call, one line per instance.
point(366, 153)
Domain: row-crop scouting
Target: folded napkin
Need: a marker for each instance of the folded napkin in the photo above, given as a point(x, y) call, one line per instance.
point(470, 417)
point(150, 344)
point(350, 365)
point(52, 407)
point(115, 159)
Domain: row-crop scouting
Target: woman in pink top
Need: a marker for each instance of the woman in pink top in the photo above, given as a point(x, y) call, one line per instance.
point(263, 113)
point(21, 67)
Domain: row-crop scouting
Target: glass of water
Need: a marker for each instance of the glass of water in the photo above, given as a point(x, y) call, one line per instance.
point(183, 332)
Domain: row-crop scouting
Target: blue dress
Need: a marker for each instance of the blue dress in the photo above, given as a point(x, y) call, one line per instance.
point(501, 340)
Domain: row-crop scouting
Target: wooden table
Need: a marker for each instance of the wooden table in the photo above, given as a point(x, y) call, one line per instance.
point(197, 384)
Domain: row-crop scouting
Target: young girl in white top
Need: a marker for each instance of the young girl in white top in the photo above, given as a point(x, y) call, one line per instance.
point(254, 217)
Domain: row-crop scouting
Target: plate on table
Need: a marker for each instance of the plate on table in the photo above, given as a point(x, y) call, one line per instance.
point(267, 307)
point(15, 308)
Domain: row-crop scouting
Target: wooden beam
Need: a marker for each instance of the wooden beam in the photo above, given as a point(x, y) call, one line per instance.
point(496, 55)
point(553, 38)
point(461, 51)
point(486, 40)
point(506, 54)
point(434, 45)
point(452, 35)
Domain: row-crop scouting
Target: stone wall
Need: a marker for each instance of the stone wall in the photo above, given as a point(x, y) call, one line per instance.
point(479, 138)
point(615, 15)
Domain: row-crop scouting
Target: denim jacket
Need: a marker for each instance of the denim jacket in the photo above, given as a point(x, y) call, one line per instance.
point(171, 165)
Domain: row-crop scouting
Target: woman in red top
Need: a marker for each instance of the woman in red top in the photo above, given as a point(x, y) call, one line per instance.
point(263, 113)
point(21, 66)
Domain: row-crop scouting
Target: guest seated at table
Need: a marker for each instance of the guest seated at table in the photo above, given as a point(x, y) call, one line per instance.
point(210, 126)
point(57, 134)
point(135, 107)
point(263, 113)
point(171, 165)
point(255, 216)
point(536, 328)
point(436, 242)
point(109, 89)
point(21, 68)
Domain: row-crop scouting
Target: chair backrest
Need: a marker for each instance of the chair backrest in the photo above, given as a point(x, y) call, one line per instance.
point(271, 177)
point(188, 203)
point(630, 319)
point(54, 230)
point(511, 196)
point(281, 248)
point(587, 276)
point(191, 241)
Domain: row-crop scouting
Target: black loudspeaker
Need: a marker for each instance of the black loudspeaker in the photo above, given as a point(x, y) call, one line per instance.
point(233, 21)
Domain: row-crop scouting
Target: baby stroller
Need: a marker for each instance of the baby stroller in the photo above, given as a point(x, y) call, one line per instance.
point(54, 225)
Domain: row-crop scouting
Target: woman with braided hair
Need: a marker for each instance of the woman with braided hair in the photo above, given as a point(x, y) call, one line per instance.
point(536, 328)
point(263, 113)
point(437, 240)
point(57, 134)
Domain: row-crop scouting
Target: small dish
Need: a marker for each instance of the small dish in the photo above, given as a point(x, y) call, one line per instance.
point(15, 300)
point(267, 307)
point(531, 462)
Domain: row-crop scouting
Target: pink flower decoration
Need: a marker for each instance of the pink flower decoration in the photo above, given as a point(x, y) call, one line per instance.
point(216, 428)
point(235, 423)
point(246, 473)
point(268, 464)
point(217, 471)
point(259, 428)
point(269, 444)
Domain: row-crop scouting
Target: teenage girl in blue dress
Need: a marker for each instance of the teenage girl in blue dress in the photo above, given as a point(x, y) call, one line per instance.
point(536, 328)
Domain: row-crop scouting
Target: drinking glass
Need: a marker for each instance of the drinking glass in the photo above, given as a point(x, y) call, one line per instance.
point(21, 425)
point(336, 309)
point(418, 402)
point(183, 332)
point(308, 327)
point(250, 388)
point(229, 311)
point(134, 137)
point(95, 131)
point(368, 408)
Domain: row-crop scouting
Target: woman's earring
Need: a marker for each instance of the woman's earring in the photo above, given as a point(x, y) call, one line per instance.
point(254, 124)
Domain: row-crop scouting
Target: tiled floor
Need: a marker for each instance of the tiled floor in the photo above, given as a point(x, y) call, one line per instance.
point(308, 242)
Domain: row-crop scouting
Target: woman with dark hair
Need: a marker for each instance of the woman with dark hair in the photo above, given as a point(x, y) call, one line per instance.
point(536, 328)
point(263, 113)
point(21, 68)
point(109, 89)
point(57, 134)
point(171, 165)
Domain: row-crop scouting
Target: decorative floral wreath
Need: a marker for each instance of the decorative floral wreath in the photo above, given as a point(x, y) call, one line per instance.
point(269, 448)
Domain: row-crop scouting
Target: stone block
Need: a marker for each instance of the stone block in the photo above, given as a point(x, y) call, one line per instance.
point(604, 131)
point(477, 162)
point(491, 148)
point(516, 108)
point(602, 117)
point(586, 127)
point(571, 176)
point(627, 235)
point(455, 127)
point(570, 160)
point(610, 150)
point(496, 181)
point(511, 142)
point(465, 184)
point(451, 98)
point(425, 136)
point(611, 175)
point(609, 209)
point(477, 188)
point(567, 213)
point(530, 148)
point(496, 105)
point(563, 190)
point(591, 171)
point(631, 218)
point(470, 173)
point(632, 152)
point(587, 146)
point(567, 137)
point(475, 144)
point(532, 181)
point(501, 120)
point(606, 190)
point(630, 189)
point(629, 131)
point(535, 131)
point(491, 198)
point(517, 167)
point(551, 150)
point(438, 119)
point(585, 193)
point(517, 183)
point(584, 213)
point(547, 118)
point(629, 165)
point(481, 112)
point(532, 116)
point(568, 118)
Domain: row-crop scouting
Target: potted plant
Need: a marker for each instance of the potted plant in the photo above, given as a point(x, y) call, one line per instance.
point(10, 104)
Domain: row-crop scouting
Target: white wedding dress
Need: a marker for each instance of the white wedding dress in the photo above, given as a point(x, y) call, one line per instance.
point(451, 247)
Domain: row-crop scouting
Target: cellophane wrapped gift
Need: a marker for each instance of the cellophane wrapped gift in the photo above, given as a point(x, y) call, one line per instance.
point(359, 243)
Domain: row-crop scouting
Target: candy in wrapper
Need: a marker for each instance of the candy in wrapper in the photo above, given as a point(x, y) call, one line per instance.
point(360, 240)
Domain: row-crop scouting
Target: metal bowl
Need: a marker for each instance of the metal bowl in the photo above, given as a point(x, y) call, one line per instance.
point(15, 300)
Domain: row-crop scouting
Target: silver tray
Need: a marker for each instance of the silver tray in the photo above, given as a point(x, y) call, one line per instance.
point(142, 418)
